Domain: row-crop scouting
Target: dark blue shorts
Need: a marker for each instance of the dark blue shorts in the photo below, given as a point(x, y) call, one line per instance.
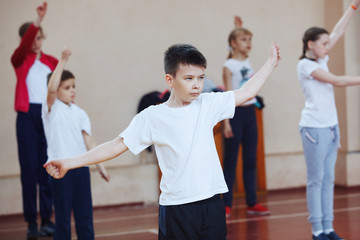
point(203, 219)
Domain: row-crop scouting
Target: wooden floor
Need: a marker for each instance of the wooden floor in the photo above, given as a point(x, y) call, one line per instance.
point(288, 219)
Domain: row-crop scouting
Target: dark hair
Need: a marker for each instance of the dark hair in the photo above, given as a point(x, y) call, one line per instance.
point(25, 26)
point(233, 35)
point(312, 34)
point(182, 54)
point(66, 75)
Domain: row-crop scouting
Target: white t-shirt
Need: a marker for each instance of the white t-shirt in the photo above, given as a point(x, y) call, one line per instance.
point(184, 145)
point(320, 108)
point(241, 72)
point(63, 129)
point(36, 82)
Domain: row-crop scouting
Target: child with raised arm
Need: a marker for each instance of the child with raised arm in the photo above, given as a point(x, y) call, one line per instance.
point(319, 123)
point(242, 128)
point(68, 133)
point(182, 131)
point(31, 66)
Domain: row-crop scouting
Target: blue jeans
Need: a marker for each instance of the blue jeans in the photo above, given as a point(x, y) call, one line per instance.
point(320, 150)
point(244, 128)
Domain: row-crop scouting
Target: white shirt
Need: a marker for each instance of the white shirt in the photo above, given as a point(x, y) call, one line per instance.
point(320, 108)
point(241, 72)
point(184, 145)
point(63, 129)
point(36, 82)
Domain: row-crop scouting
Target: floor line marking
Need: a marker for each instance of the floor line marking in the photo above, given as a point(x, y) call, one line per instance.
point(270, 203)
point(113, 234)
point(126, 218)
point(292, 215)
point(298, 200)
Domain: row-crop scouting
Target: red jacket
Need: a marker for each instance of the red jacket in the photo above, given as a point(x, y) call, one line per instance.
point(22, 60)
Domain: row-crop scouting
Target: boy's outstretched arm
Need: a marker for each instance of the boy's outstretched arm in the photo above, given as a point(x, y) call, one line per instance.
point(253, 86)
point(54, 81)
point(106, 151)
point(90, 144)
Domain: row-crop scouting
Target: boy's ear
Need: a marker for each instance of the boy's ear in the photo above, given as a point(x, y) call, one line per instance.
point(169, 80)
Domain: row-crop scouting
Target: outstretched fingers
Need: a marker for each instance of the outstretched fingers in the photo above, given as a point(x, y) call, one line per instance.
point(275, 54)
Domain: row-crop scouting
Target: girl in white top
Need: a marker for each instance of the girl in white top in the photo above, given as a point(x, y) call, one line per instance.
point(242, 128)
point(319, 123)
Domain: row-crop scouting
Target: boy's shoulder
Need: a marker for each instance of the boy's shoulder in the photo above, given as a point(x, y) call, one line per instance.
point(59, 106)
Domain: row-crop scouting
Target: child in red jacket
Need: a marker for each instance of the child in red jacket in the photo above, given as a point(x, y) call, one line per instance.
point(31, 67)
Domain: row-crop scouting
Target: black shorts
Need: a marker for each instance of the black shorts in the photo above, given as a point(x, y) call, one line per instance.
point(203, 219)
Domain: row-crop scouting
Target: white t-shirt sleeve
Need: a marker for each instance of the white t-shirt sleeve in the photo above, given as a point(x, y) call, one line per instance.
point(228, 64)
point(309, 66)
point(137, 136)
point(222, 105)
point(45, 114)
point(85, 123)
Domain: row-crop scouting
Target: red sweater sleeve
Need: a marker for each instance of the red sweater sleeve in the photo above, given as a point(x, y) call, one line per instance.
point(24, 48)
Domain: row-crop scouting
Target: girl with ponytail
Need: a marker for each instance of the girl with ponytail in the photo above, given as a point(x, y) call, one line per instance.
point(319, 123)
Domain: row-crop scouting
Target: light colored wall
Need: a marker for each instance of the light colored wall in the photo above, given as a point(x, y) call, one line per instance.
point(117, 57)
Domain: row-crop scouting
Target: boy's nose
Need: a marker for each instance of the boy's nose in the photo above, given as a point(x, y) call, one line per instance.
point(196, 84)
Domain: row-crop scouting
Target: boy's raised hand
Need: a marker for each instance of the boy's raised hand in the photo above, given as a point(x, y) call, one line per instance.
point(65, 54)
point(56, 168)
point(274, 54)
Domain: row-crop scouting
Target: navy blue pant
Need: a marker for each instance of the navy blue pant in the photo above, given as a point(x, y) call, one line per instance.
point(245, 133)
point(201, 220)
point(32, 155)
point(73, 192)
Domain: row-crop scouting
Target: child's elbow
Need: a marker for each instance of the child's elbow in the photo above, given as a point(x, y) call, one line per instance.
point(337, 82)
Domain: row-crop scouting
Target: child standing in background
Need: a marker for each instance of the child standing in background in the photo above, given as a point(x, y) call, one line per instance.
point(68, 133)
point(319, 128)
point(242, 128)
point(31, 67)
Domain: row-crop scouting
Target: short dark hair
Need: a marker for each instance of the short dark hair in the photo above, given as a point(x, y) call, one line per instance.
point(66, 75)
point(312, 34)
point(182, 54)
point(25, 26)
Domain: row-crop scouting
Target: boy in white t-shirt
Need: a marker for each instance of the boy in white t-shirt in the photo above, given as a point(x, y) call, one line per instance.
point(182, 131)
point(68, 134)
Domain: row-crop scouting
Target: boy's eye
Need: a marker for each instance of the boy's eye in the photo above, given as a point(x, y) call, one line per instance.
point(188, 78)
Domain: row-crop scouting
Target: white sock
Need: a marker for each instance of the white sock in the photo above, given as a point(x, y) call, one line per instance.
point(317, 233)
point(327, 231)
